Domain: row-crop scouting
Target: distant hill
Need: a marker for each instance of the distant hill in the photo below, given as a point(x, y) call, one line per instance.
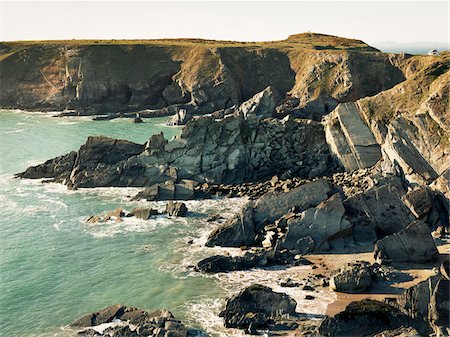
point(410, 47)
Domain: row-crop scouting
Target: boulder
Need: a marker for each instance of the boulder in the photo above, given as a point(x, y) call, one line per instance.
point(427, 303)
point(439, 308)
point(236, 232)
point(256, 307)
point(181, 117)
point(321, 224)
point(156, 143)
point(412, 244)
point(273, 205)
point(261, 104)
point(419, 201)
point(376, 213)
point(353, 278)
point(143, 213)
point(176, 208)
point(183, 190)
point(363, 318)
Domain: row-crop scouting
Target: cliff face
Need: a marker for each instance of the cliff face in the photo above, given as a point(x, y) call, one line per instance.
point(310, 73)
point(409, 124)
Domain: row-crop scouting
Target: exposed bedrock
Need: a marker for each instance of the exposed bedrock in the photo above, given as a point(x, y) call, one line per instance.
point(121, 321)
point(193, 75)
point(233, 149)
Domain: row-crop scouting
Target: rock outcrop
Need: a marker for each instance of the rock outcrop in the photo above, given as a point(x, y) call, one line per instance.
point(412, 244)
point(121, 321)
point(232, 149)
point(317, 225)
point(257, 307)
point(350, 139)
point(243, 228)
point(363, 318)
point(428, 304)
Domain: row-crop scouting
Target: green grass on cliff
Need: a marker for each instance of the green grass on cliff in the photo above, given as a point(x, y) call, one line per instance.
point(304, 41)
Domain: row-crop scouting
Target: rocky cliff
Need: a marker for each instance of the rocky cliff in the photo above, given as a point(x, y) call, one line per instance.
point(310, 73)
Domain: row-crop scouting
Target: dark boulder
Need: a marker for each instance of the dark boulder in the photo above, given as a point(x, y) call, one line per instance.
point(143, 213)
point(221, 263)
point(256, 307)
point(377, 213)
point(412, 244)
point(176, 208)
point(353, 278)
point(236, 232)
point(363, 318)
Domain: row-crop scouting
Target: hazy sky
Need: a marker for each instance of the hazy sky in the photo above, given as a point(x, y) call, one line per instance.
point(371, 21)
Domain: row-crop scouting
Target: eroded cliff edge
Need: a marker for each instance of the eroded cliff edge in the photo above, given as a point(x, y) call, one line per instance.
point(310, 74)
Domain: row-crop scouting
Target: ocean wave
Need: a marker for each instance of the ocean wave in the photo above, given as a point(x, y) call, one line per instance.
point(14, 131)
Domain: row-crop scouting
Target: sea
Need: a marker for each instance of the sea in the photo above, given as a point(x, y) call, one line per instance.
point(56, 267)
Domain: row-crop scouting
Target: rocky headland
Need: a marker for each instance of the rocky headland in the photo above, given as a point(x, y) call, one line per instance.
point(341, 150)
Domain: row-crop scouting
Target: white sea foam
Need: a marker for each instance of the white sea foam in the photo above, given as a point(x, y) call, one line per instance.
point(14, 131)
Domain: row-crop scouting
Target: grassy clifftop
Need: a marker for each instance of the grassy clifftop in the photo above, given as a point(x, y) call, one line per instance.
point(303, 41)
point(311, 73)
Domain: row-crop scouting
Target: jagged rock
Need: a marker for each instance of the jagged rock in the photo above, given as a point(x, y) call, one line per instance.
point(176, 208)
point(427, 303)
point(400, 149)
point(58, 168)
point(322, 224)
point(184, 190)
point(138, 120)
point(261, 104)
point(122, 321)
point(377, 213)
point(419, 201)
point(412, 244)
point(445, 269)
point(156, 143)
point(353, 278)
point(273, 205)
point(439, 308)
point(143, 212)
point(236, 232)
point(219, 151)
point(256, 307)
point(399, 332)
point(350, 139)
point(181, 117)
point(363, 318)
point(221, 263)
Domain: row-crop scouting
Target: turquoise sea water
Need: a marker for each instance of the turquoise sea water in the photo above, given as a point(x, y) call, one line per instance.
point(54, 267)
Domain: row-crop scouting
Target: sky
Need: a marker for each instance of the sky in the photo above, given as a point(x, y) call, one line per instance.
point(371, 21)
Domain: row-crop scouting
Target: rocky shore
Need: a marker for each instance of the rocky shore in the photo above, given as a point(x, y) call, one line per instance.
point(341, 168)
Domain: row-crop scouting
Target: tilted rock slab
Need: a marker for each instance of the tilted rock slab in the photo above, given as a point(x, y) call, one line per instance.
point(350, 139)
point(412, 244)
